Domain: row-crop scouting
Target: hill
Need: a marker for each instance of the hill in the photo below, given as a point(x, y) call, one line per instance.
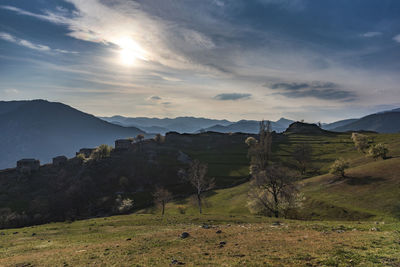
point(336, 124)
point(385, 122)
point(249, 126)
point(156, 125)
point(41, 129)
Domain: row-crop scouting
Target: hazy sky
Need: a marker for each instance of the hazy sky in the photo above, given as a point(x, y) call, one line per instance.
point(234, 59)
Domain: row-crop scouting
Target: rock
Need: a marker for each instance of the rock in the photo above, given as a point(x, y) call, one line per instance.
point(176, 262)
point(33, 234)
point(222, 243)
point(129, 239)
point(15, 233)
point(276, 223)
point(206, 226)
point(185, 235)
point(2, 233)
point(375, 229)
point(218, 232)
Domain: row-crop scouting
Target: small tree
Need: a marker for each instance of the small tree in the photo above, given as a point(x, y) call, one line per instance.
point(161, 197)
point(101, 152)
point(139, 138)
point(360, 141)
point(302, 154)
point(260, 150)
point(198, 179)
point(273, 191)
point(159, 138)
point(124, 205)
point(338, 167)
point(378, 151)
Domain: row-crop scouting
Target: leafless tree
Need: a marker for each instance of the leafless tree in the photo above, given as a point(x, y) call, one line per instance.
point(161, 197)
point(302, 154)
point(198, 179)
point(273, 191)
point(260, 150)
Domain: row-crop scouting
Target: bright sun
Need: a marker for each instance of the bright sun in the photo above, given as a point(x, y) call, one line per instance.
point(130, 51)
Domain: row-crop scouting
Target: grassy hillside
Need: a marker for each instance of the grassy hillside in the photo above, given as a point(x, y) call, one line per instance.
point(148, 240)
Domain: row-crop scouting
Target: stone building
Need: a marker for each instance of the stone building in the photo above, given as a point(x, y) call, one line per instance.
point(28, 165)
point(60, 160)
point(123, 144)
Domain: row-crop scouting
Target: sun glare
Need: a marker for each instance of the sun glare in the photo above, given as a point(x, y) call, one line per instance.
point(130, 51)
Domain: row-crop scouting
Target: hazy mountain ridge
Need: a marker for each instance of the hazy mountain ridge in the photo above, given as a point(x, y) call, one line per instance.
point(41, 129)
point(178, 124)
point(384, 122)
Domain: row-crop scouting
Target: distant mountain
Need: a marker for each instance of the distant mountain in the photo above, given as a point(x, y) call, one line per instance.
point(156, 125)
point(384, 122)
point(249, 126)
point(41, 129)
point(333, 125)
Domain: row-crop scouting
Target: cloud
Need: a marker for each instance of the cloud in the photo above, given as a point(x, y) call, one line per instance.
point(371, 34)
point(232, 96)
point(10, 38)
point(28, 44)
point(397, 38)
point(315, 89)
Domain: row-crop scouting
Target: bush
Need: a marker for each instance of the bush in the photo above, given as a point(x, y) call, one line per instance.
point(360, 141)
point(339, 166)
point(378, 151)
point(103, 151)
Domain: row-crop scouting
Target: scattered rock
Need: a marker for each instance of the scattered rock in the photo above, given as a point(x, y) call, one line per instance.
point(185, 235)
point(276, 223)
point(33, 234)
point(205, 226)
point(176, 262)
point(129, 239)
point(239, 255)
point(375, 229)
point(340, 231)
point(218, 232)
point(206, 253)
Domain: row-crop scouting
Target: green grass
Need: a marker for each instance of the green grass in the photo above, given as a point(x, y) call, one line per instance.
point(353, 221)
point(149, 240)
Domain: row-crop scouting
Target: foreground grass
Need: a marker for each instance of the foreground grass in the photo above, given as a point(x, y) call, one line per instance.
point(149, 240)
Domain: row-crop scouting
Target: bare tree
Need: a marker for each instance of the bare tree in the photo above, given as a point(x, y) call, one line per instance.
point(302, 154)
point(198, 179)
point(273, 191)
point(161, 197)
point(260, 150)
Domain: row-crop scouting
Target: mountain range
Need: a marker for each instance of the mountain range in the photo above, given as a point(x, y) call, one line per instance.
point(42, 130)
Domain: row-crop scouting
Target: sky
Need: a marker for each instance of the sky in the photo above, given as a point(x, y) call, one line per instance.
point(225, 59)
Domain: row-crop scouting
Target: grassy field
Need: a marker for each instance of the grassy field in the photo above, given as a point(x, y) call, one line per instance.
point(351, 221)
point(149, 240)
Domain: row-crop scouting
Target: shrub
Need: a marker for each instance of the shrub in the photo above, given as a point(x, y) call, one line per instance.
point(378, 151)
point(360, 141)
point(103, 151)
point(339, 166)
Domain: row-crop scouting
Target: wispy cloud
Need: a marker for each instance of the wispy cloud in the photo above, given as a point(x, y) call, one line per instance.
point(371, 34)
point(232, 96)
point(315, 89)
point(10, 38)
point(28, 44)
point(397, 38)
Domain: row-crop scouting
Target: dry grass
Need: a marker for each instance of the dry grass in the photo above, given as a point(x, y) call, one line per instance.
point(102, 242)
